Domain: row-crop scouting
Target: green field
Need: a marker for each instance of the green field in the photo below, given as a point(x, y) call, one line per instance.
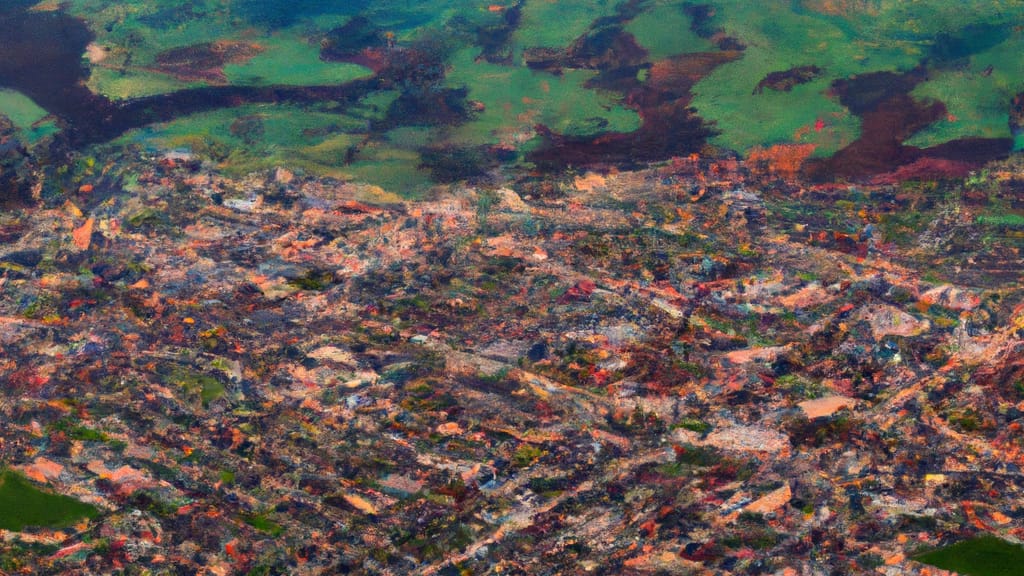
point(25, 115)
point(982, 556)
point(973, 52)
point(23, 505)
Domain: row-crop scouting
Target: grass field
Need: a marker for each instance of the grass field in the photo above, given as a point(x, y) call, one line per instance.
point(23, 505)
point(982, 556)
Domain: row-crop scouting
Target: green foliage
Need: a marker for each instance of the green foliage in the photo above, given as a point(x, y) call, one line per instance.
point(151, 501)
point(548, 486)
point(557, 24)
point(26, 115)
point(966, 420)
point(693, 424)
point(751, 518)
point(23, 505)
point(693, 368)
point(195, 386)
point(1013, 221)
point(74, 432)
point(403, 306)
point(778, 39)
point(419, 389)
point(664, 30)
point(262, 522)
point(16, 556)
point(901, 227)
point(758, 538)
point(526, 455)
point(697, 455)
point(985, 555)
point(88, 435)
point(873, 37)
point(973, 56)
point(800, 387)
point(689, 457)
point(975, 100)
point(313, 280)
point(41, 306)
point(290, 60)
point(147, 219)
